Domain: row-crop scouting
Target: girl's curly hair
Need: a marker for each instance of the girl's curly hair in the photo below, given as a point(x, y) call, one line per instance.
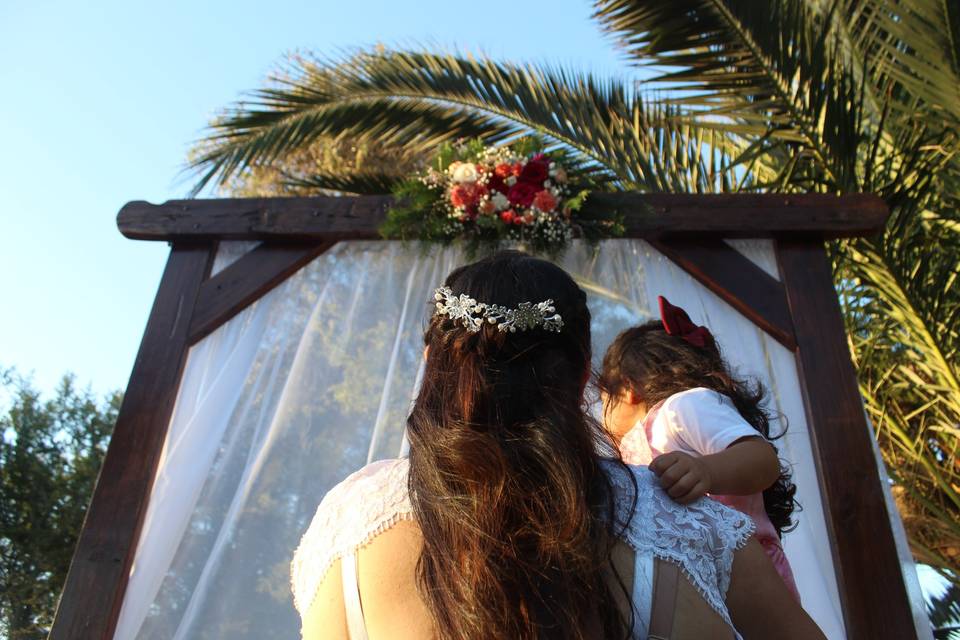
point(655, 366)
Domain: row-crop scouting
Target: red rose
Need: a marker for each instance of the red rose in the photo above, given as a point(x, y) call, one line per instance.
point(545, 201)
point(535, 171)
point(503, 170)
point(522, 194)
point(495, 183)
point(466, 194)
point(507, 216)
point(459, 195)
point(517, 168)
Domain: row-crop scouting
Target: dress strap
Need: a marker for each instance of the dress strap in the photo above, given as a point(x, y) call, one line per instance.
point(666, 577)
point(351, 598)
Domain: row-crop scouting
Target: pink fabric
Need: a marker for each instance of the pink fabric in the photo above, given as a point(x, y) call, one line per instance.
point(636, 448)
point(781, 564)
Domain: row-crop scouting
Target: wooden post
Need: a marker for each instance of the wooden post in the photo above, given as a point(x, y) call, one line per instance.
point(98, 575)
point(872, 591)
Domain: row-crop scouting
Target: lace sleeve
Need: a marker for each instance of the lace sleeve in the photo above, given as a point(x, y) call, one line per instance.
point(355, 511)
point(701, 537)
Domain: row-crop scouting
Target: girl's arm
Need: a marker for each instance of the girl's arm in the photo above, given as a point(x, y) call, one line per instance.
point(734, 458)
point(747, 466)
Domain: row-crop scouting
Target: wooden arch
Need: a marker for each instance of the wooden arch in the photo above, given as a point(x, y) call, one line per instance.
point(800, 310)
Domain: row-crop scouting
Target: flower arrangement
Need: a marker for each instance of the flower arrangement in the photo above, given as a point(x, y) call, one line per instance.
point(490, 195)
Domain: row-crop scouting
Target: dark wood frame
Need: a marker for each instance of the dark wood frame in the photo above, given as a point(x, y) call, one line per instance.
point(800, 311)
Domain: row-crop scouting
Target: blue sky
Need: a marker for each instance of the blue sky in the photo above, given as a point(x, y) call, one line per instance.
point(101, 102)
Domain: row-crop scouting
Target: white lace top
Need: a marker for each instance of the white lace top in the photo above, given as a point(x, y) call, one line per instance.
point(700, 538)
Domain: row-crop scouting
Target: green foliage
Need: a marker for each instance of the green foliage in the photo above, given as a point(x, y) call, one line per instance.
point(417, 214)
point(795, 96)
point(50, 454)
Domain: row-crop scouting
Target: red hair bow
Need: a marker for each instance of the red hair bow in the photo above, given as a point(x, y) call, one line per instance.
point(676, 322)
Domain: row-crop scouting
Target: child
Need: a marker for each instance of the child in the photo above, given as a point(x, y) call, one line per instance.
point(670, 402)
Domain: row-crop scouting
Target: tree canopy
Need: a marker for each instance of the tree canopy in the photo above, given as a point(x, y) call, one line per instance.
point(50, 455)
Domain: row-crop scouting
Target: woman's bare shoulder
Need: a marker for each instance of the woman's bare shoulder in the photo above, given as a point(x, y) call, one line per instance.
point(365, 504)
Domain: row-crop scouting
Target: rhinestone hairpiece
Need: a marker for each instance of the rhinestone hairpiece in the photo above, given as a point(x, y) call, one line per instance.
point(472, 314)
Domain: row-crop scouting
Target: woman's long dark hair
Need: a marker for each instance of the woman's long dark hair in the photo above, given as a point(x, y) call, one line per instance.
point(505, 481)
point(655, 366)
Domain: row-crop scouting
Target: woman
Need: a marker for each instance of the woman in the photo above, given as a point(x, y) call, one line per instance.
point(505, 523)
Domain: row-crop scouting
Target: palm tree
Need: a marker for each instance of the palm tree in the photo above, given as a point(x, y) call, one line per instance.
point(801, 96)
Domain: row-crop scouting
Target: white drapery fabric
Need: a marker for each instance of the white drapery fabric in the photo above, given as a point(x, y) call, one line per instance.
point(315, 379)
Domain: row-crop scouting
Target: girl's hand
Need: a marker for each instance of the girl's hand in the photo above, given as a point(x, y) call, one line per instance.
point(684, 477)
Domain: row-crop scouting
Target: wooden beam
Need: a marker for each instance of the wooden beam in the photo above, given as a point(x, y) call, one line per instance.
point(245, 281)
point(646, 216)
point(322, 218)
point(745, 215)
point(872, 590)
point(732, 276)
point(93, 593)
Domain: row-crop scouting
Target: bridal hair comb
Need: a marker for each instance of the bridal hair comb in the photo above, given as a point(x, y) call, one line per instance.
point(472, 314)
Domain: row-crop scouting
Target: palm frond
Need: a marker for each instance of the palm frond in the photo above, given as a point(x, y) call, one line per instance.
point(359, 183)
point(275, 127)
point(415, 100)
point(772, 71)
point(912, 48)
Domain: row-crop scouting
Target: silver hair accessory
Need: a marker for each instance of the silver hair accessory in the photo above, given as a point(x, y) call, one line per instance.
point(472, 314)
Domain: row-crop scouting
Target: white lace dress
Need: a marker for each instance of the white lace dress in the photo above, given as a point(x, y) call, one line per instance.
point(700, 538)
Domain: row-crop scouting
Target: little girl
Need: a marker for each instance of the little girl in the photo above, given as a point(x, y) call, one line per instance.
point(670, 402)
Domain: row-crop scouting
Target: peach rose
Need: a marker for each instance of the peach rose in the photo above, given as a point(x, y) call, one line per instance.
point(545, 201)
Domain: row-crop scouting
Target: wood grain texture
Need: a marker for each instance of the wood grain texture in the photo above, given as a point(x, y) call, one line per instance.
point(743, 215)
point(645, 215)
point(732, 276)
point(320, 218)
point(245, 281)
point(98, 574)
point(872, 591)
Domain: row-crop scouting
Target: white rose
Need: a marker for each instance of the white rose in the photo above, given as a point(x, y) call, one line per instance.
point(464, 172)
point(510, 181)
point(500, 201)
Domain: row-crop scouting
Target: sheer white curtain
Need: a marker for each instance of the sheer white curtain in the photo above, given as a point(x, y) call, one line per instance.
point(315, 379)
